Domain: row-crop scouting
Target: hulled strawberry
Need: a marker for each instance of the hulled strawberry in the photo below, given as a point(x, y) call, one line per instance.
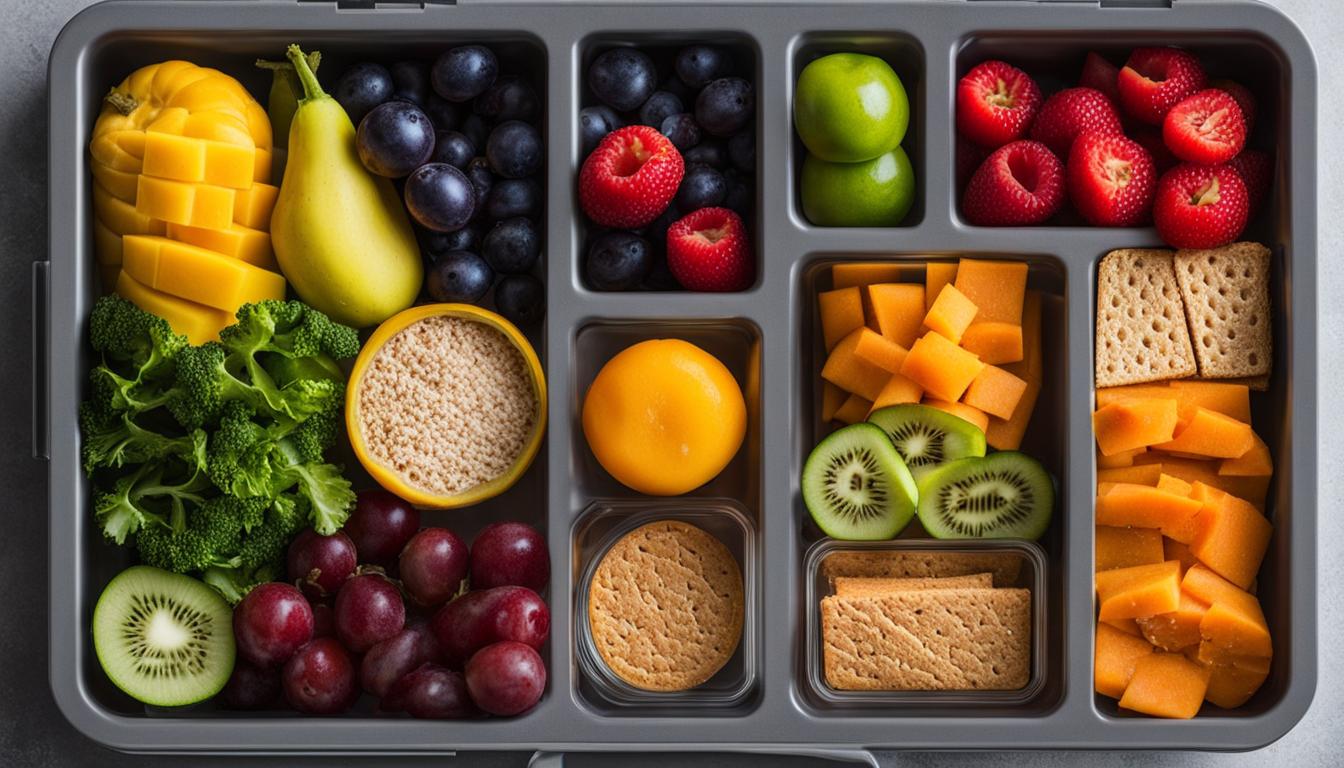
point(708, 250)
point(1153, 80)
point(1111, 180)
point(1020, 183)
point(1245, 100)
point(1206, 127)
point(996, 103)
point(1151, 139)
point(1069, 113)
point(1200, 206)
point(1256, 169)
point(1100, 74)
point(630, 178)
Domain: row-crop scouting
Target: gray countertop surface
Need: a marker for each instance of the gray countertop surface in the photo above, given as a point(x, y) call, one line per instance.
point(34, 734)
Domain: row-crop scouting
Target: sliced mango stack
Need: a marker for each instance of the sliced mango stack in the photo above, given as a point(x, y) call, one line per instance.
point(181, 160)
point(967, 341)
point(1181, 485)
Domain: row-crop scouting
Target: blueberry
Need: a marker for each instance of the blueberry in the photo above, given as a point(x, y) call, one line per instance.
point(463, 73)
point(453, 148)
point(742, 151)
point(682, 130)
point(594, 125)
point(618, 261)
point(725, 106)
point(698, 65)
point(712, 152)
point(437, 243)
point(673, 85)
point(363, 87)
point(512, 246)
point(412, 82)
point(443, 113)
point(623, 78)
point(739, 197)
point(439, 197)
point(514, 150)
point(656, 231)
point(660, 277)
point(478, 173)
point(701, 187)
point(394, 139)
point(475, 129)
point(458, 276)
point(513, 197)
point(510, 98)
point(660, 106)
point(521, 299)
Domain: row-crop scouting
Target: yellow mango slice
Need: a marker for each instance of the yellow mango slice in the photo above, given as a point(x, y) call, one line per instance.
point(251, 245)
point(197, 322)
point(195, 274)
point(197, 205)
point(183, 158)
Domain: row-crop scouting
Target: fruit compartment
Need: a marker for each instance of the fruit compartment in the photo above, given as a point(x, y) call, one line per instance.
point(1028, 570)
point(735, 689)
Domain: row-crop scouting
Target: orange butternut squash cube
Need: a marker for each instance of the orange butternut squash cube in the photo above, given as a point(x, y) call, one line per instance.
point(879, 350)
point(1234, 625)
point(1232, 538)
point(942, 368)
point(994, 343)
point(1006, 434)
point(936, 275)
point(1105, 488)
point(1128, 626)
point(1144, 506)
point(1175, 550)
point(1177, 630)
point(898, 310)
point(1172, 484)
point(1118, 460)
point(841, 314)
point(1212, 434)
point(853, 410)
point(1126, 547)
point(865, 273)
point(848, 371)
point(1253, 463)
point(1139, 591)
point(1108, 395)
point(996, 287)
point(1232, 400)
point(898, 390)
point(1252, 489)
point(961, 411)
point(995, 391)
point(1114, 659)
point(951, 314)
point(1233, 683)
point(1139, 474)
point(1134, 423)
point(832, 397)
point(1166, 685)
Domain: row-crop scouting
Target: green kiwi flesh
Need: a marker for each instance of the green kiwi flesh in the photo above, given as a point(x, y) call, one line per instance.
point(856, 486)
point(926, 437)
point(1005, 495)
point(163, 638)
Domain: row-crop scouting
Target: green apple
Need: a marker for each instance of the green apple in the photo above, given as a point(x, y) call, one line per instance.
point(874, 193)
point(850, 107)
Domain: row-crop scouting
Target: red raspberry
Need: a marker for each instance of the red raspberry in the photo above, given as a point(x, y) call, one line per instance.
point(630, 178)
point(1256, 169)
point(707, 250)
point(1100, 74)
point(968, 157)
point(1070, 112)
point(1245, 100)
point(1154, 79)
point(1205, 128)
point(1020, 183)
point(1111, 180)
point(1200, 206)
point(995, 103)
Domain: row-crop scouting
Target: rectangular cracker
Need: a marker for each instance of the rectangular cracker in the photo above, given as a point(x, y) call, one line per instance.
point(1226, 294)
point(1005, 566)
point(936, 640)
point(1141, 325)
point(861, 586)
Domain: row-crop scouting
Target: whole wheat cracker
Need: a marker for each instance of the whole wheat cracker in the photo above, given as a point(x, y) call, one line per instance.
point(1141, 326)
point(1226, 294)
point(1005, 566)
point(876, 586)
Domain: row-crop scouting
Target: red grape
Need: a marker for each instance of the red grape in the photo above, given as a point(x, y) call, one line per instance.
point(509, 554)
point(321, 563)
point(433, 565)
point(431, 692)
point(320, 679)
point(368, 610)
point(271, 623)
point(506, 678)
point(324, 620)
point(397, 656)
point(381, 525)
point(251, 687)
point(482, 617)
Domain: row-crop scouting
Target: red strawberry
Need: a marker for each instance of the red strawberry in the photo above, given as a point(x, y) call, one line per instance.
point(1070, 112)
point(1100, 75)
point(707, 250)
point(1200, 206)
point(1205, 128)
point(995, 103)
point(630, 178)
point(1019, 183)
point(1151, 140)
point(1111, 180)
point(968, 158)
point(1245, 100)
point(1154, 79)
point(1256, 168)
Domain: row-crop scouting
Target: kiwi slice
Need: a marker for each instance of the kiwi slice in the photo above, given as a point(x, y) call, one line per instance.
point(163, 638)
point(1005, 495)
point(927, 437)
point(857, 487)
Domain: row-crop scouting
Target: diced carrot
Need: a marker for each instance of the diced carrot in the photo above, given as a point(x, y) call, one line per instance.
point(951, 314)
point(996, 287)
point(845, 369)
point(1166, 685)
point(994, 343)
point(841, 314)
point(936, 275)
point(1212, 434)
point(961, 411)
point(872, 347)
point(1124, 547)
point(853, 410)
point(1113, 662)
point(898, 310)
point(942, 368)
point(1134, 423)
point(995, 391)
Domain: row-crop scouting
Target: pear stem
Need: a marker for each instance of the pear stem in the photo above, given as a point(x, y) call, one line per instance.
point(312, 89)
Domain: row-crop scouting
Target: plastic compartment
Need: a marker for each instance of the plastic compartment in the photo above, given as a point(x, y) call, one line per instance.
point(1031, 573)
point(735, 688)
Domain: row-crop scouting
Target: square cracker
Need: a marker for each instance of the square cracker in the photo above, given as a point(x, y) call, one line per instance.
point(1226, 293)
point(876, 586)
point(922, 564)
point(935, 640)
point(1141, 328)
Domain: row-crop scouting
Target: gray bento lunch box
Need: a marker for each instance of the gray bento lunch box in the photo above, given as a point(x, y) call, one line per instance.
point(766, 336)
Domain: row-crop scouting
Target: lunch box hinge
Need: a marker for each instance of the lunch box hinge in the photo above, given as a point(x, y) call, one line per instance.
point(41, 438)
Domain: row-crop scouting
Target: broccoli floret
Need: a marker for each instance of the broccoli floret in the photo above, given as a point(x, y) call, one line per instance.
point(326, 490)
point(239, 458)
point(115, 439)
point(212, 536)
point(291, 329)
point(163, 493)
point(140, 344)
point(260, 557)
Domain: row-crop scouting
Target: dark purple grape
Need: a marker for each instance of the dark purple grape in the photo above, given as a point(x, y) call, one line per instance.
point(521, 299)
point(438, 243)
point(251, 687)
point(453, 148)
point(459, 276)
point(682, 130)
point(513, 197)
point(474, 128)
point(395, 139)
point(363, 87)
point(431, 692)
point(514, 150)
point(617, 261)
point(710, 151)
point(725, 106)
point(369, 609)
point(272, 622)
point(381, 525)
point(445, 115)
point(701, 187)
point(482, 180)
point(433, 565)
point(463, 73)
point(594, 125)
point(439, 197)
point(510, 98)
point(506, 554)
point(320, 678)
point(512, 246)
point(659, 106)
point(739, 197)
point(482, 617)
point(742, 151)
point(395, 657)
point(698, 65)
point(506, 678)
point(623, 78)
point(673, 85)
point(321, 563)
point(411, 82)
